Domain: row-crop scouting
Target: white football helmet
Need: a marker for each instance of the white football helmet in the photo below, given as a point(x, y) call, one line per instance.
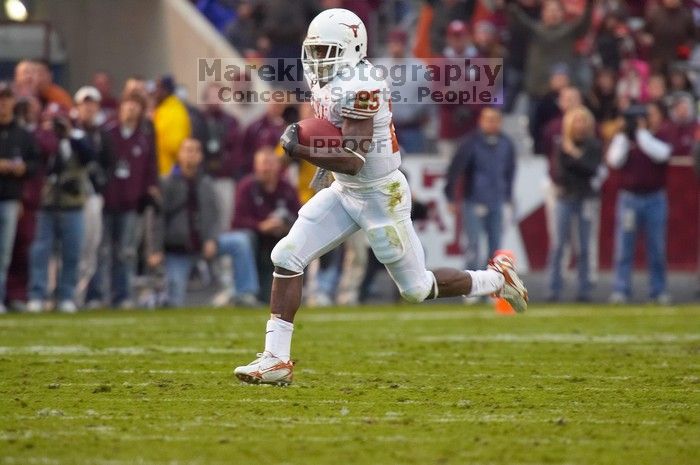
point(336, 38)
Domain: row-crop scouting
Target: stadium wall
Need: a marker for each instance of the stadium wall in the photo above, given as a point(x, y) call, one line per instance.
point(98, 35)
point(155, 38)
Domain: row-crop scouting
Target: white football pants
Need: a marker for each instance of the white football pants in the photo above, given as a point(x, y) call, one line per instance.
point(383, 212)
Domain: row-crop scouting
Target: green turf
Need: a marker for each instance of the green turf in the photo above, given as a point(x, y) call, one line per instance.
point(379, 385)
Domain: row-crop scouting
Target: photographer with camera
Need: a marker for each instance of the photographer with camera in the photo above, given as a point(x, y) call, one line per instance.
point(640, 153)
point(18, 159)
point(61, 213)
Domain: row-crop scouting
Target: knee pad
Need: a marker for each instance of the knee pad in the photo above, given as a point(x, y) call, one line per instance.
point(284, 256)
point(420, 292)
point(386, 243)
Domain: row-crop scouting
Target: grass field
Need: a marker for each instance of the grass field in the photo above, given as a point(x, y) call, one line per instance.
point(378, 385)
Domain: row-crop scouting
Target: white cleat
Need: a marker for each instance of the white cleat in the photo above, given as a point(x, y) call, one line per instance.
point(34, 306)
point(222, 298)
point(513, 291)
point(266, 369)
point(67, 306)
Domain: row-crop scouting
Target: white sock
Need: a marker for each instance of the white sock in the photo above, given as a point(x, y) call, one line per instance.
point(278, 338)
point(485, 282)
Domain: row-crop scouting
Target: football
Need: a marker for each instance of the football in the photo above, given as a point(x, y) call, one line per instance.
point(317, 132)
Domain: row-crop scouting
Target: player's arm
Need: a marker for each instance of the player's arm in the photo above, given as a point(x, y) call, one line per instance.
point(347, 159)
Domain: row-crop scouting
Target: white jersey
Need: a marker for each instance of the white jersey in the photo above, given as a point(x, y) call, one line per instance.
point(359, 94)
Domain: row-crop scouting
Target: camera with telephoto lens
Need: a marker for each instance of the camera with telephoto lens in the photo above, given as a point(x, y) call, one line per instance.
point(631, 116)
point(60, 126)
point(67, 183)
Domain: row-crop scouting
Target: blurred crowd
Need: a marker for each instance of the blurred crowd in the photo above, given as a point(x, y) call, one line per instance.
point(137, 197)
point(121, 200)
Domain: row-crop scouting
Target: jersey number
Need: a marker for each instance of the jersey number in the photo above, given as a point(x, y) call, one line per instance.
point(366, 100)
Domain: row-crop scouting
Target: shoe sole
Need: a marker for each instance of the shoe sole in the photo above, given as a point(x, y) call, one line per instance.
point(517, 300)
point(253, 380)
point(518, 303)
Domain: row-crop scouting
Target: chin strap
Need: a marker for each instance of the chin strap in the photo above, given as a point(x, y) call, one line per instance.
point(349, 150)
point(286, 276)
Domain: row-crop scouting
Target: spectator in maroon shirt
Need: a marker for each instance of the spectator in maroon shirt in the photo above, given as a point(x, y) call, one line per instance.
point(641, 155)
point(221, 136)
point(266, 205)
point(131, 183)
point(222, 140)
point(102, 81)
point(265, 131)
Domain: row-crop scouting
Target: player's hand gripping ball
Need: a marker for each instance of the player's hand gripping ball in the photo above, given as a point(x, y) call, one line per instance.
point(315, 133)
point(290, 139)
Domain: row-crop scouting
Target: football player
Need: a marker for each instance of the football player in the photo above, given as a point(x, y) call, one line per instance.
point(369, 193)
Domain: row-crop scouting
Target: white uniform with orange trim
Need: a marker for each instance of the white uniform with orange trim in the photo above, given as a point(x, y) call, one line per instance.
point(358, 94)
point(376, 200)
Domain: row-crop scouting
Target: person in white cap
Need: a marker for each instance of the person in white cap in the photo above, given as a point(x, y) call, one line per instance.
point(89, 118)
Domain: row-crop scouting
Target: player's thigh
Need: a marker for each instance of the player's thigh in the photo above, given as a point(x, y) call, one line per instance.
point(322, 225)
point(385, 216)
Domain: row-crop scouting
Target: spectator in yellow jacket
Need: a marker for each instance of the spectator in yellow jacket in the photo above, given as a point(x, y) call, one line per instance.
point(171, 122)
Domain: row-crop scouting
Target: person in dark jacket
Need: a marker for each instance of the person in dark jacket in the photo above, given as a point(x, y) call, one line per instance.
point(89, 118)
point(61, 214)
point(484, 167)
point(641, 154)
point(187, 228)
point(132, 183)
point(27, 114)
point(18, 159)
point(576, 164)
